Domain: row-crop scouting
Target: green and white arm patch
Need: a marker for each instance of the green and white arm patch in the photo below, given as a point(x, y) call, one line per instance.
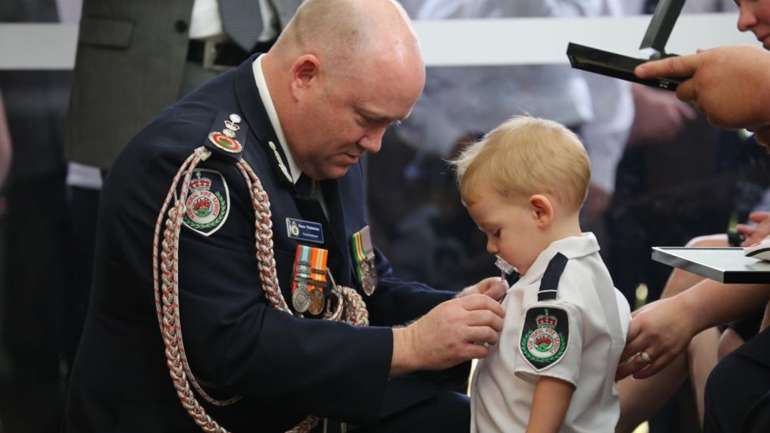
point(208, 202)
point(544, 336)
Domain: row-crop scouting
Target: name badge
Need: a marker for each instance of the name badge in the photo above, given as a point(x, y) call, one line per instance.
point(305, 231)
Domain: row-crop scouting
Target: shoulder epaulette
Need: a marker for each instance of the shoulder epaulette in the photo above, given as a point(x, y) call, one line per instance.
point(549, 284)
point(227, 136)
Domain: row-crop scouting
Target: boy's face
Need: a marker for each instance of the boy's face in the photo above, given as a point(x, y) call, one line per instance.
point(755, 17)
point(510, 226)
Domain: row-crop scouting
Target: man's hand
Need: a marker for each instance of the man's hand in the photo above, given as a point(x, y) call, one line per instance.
point(755, 234)
point(494, 287)
point(453, 332)
point(662, 330)
point(658, 115)
point(730, 84)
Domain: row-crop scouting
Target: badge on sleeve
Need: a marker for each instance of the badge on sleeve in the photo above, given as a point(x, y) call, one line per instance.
point(208, 203)
point(363, 256)
point(544, 336)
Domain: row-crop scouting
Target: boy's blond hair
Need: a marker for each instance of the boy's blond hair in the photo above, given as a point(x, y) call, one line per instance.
point(526, 156)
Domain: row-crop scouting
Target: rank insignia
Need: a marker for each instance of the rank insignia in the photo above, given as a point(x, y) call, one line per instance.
point(208, 202)
point(309, 280)
point(544, 336)
point(363, 256)
point(227, 135)
point(228, 144)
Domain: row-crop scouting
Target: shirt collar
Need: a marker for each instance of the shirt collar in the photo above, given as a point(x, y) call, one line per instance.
point(267, 101)
point(572, 247)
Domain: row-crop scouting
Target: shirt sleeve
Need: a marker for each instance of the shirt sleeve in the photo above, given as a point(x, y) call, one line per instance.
point(550, 342)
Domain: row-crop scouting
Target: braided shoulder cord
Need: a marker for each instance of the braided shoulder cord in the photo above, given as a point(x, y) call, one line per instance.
point(350, 306)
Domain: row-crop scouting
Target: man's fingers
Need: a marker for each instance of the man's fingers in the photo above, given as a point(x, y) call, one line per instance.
point(482, 334)
point(485, 318)
point(494, 287)
point(481, 302)
point(681, 66)
point(475, 351)
point(686, 91)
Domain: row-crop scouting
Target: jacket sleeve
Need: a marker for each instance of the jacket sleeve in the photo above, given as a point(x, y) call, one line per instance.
point(397, 302)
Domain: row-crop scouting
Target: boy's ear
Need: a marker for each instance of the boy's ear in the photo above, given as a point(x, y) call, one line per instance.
point(542, 210)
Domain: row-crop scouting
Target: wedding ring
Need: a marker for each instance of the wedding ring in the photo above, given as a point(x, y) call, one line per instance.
point(645, 357)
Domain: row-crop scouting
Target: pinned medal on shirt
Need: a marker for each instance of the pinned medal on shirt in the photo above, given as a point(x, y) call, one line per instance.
point(227, 135)
point(309, 280)
point(544, 336)
point(208, 203)
point(363, 256)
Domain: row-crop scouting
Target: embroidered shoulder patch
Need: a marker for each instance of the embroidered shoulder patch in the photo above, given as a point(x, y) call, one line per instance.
point(208, 203)
point(544, 336)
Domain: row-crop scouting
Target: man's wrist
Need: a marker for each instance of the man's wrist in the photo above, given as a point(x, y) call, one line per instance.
point(404, 358)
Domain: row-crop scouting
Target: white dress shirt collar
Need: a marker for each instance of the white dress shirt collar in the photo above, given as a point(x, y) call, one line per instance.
point(267, 101)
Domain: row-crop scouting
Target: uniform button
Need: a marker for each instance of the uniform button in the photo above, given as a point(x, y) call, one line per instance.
point(181, 26)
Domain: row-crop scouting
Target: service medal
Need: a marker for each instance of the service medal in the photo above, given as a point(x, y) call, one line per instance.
point(300, 299)
point(363, 256)
point(317, 302)
point(309, 279)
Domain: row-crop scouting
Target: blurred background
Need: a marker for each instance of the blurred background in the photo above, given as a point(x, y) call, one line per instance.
point(661, 174)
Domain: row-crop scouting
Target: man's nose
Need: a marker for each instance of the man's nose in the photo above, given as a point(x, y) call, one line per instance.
point(372, 141)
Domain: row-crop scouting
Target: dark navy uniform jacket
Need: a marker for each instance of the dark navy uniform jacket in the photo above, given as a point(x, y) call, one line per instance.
point(237, 344)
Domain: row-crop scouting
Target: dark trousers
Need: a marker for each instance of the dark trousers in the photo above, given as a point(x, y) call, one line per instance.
point(737, 390)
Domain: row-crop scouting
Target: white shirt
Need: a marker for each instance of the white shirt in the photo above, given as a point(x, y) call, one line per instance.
point(598, 316)
point(267, 101)
point(206, 21)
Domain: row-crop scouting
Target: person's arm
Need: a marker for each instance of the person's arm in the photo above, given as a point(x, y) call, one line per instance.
point(730, 84)
point(449, 334)
point(550, 402)
point(663, 328)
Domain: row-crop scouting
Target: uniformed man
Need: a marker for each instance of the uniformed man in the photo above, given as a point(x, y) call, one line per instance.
point(244, 345)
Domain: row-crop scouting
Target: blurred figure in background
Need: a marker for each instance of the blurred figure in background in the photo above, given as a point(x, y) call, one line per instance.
point(679, 177)
point(419, 214)
point(35, 103)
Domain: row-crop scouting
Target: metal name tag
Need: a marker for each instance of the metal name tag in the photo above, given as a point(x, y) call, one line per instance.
point(305, 231)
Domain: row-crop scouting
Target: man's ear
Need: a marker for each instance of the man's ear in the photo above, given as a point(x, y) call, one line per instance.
point(542, 210)
point(305, 73)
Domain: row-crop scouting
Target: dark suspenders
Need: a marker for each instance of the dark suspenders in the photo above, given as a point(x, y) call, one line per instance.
point(549, 284)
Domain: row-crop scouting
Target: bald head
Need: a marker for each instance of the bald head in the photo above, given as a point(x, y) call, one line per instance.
point(346, 34)
point(340, 73)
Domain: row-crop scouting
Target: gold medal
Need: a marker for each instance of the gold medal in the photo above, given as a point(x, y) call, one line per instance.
point(317, 301)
